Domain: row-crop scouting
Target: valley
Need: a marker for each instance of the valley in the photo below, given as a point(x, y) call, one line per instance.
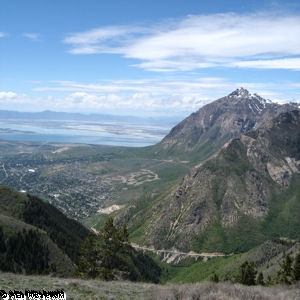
point(81, 179)
point(220, 189)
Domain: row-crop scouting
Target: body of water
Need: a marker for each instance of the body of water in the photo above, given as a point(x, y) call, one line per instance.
point(99, 133)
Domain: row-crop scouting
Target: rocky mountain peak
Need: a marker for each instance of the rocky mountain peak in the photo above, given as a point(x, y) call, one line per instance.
point(241, 93)
point(219, 121)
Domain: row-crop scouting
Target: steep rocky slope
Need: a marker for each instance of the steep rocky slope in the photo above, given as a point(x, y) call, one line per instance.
point(226, 199)
point(205, 131)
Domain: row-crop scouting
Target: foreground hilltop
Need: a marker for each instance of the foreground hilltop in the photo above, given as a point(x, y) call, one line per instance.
point(95, 289)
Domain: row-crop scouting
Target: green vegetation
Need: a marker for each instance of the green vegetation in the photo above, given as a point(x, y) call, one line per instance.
point(36, 237)
point(80, 180)
point(289, 269)
point(109, 256)
point(66, 233)
point(239, 238)
point(283, 216)
point(262, 265)
point(24, 252)
point(247, 273)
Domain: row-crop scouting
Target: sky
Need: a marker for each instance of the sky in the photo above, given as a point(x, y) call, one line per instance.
point(145, 58)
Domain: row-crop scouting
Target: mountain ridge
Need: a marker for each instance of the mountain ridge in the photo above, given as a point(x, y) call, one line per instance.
point(203, 132)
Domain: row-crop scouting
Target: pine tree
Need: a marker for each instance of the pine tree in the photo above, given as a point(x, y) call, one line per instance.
point(88, 260)
point(260, 279)
point(109, 255)
point(2, 241)
point(247, 273)
point(214, 278)
point(103, 254)
point(123, 234)
point(285, 274)
point(112, 249)
point(297, 267)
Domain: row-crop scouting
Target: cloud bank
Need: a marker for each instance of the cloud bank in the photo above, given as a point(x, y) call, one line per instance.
point(142, 97)
point(262, 40)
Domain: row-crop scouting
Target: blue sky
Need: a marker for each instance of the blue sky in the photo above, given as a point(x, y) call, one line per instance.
point(145, 57)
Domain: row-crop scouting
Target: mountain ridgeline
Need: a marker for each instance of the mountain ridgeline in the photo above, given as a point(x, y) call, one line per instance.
point(205, 131)
point(245, 193)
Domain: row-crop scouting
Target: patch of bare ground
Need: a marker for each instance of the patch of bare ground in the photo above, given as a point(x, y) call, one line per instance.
point(96, 289)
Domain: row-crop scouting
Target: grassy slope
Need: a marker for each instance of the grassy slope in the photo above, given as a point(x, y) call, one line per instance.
point(95, 289)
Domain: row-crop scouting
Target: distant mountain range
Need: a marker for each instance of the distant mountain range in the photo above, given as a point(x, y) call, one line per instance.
point(53, 115)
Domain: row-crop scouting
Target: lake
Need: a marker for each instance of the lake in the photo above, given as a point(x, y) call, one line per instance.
point(134, 134)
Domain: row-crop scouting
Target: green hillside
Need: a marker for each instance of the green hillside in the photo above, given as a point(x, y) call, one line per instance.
point(37, 238)
point(267, 259)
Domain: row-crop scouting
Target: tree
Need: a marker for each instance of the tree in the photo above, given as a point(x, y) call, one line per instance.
point(109, 255)
point(260, 279)
point(2, 241)
point(112, 249)
point(214, 278)
point(87, 266)
point(104, 255)
point(297, 267)
point(247, 273)
point(285, 274)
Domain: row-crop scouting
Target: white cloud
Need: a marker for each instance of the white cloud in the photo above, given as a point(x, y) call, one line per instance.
point(148, 96)
point(139, 97)
point(31, 36)
point(284, 63)
point(142, 86)
point(7, 95)
point(103, 40)
point(2, 34)
point(263, 40)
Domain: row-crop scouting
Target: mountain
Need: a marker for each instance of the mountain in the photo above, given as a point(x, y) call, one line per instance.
point(35, 237)
point(49, 115)
point(205, 131)
point(246, 193)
